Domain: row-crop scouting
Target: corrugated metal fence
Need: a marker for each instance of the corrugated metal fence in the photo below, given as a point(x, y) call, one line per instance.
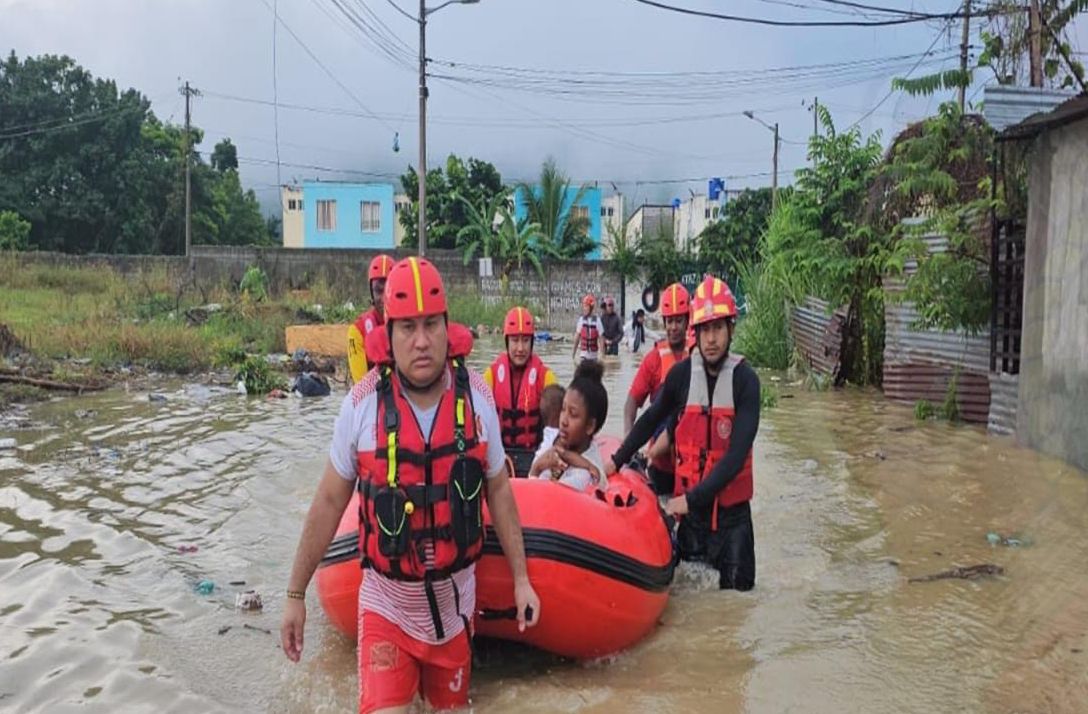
point(920, 364)
point(817, 334)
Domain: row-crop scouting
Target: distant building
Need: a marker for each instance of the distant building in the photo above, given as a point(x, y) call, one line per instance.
point(612, 215)
point(327, 214)
point(651, 221)
point(291, 198)
point(693, 215)
point(589, 207)
point(401, 204)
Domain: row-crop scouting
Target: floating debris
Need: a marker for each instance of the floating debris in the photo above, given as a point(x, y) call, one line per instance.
point(967, 572)
point(156, 397)
point(205, 587)
point(249, 601)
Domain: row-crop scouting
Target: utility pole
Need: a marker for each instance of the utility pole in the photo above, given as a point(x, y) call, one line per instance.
point(963, 53)
point(422, 171)
point(815, 117)
point(774, 177)
point(189, 93)
point(1035, 21)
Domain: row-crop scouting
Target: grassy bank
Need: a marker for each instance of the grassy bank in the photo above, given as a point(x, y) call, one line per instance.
point(110, 319)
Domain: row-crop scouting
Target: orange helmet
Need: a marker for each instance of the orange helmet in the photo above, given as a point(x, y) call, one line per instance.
point(713, 301)
point(519, 321)
point(380, 267)
point(414, 289)
point(588, 300)
point(675, 301)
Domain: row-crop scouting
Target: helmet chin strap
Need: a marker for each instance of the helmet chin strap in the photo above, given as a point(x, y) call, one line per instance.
point(411, 386)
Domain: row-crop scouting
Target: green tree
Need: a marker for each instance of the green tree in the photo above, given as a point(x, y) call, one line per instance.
point(624, 254)
point(473, 181)
point(235, 216)
point(14, 231)
point(733, 241)
point(549, 203)
point(937, 175)
point(225, 156)
point(818, 244)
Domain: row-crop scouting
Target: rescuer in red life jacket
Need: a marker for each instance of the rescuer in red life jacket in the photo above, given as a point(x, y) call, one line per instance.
point(716, 396)
point(367, 321)
point(420, 437)
point(517, 378)
point(676, 311)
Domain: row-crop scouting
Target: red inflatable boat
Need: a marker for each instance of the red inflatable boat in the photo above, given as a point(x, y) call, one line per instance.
point(601, 564)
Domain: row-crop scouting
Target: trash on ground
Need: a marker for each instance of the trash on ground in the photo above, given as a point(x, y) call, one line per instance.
point(249, 601)
point(1012, 540)
point(205, 587)
point(311, 385)
point(966, 572)
point(240, 387)
point(85, 413)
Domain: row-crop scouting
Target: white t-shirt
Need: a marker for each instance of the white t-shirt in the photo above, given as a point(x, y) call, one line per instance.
point(591, 320)
point(580, 479)
point(550, 435)
point(405, 603)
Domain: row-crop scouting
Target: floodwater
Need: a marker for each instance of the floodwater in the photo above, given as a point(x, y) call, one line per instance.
point(98, 610)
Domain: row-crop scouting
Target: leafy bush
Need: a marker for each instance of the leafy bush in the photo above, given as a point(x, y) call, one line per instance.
point(258, 376)
point(254, 284)
point(14, 231)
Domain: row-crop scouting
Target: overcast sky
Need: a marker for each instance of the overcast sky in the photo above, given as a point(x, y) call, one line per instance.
point(630, 123)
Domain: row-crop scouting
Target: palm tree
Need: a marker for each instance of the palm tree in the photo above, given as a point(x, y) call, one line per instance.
point(495, 233)
point(565, 235)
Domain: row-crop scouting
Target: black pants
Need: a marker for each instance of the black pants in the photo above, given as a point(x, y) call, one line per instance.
point(730, 549)
point(663, 481)
point(611, 348)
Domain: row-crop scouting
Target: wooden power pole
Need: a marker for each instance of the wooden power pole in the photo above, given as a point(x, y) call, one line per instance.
point(189, 93)
point(1035, 30)
point(963, 54)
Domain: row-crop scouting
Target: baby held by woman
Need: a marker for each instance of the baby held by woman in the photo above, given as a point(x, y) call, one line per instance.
point(568, 453)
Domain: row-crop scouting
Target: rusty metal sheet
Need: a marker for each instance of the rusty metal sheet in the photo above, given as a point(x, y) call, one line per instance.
point(904, 343)
point(911, 382)
point(818, 334)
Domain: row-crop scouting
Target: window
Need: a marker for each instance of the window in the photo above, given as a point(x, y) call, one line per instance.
point(716, 212)
point(326, 215)
point(292, 204)
point(707, 214)
point(370, 213)
point(604, 212)
point(579, 212)
point(610, 212)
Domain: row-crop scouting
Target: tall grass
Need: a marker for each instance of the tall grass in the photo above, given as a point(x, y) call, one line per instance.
point(762, 334)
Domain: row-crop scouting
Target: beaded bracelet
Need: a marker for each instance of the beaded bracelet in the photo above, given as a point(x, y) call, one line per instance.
point(296, 594)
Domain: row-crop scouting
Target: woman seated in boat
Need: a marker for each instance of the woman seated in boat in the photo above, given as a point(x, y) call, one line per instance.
point(574, 459)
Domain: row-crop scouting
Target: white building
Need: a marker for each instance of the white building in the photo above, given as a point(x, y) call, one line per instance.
point(401, 203)
point(291, 198)
point(693, 215)
point(612, 215)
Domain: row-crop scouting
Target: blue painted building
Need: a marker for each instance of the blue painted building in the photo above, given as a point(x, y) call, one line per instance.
point(331, 214)
point(589, 206)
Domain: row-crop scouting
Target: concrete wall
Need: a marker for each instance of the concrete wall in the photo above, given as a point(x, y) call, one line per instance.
point(292, 209)
point(348, 232)
point(1052, 415)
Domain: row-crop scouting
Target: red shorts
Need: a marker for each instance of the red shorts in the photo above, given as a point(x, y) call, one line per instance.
point(393, 666)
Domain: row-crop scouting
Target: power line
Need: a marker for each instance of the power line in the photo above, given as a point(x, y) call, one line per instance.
point(89, 119)
point(808, 23)
point(401, 11)
point(275, 88)
point(876, 8)
point(327, 71)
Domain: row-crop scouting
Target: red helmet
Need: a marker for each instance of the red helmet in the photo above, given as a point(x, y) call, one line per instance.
point(675, 301)
point(380, 267)
point(713, 301)
point(588, 300)
point(414, 289)
point(519, 321)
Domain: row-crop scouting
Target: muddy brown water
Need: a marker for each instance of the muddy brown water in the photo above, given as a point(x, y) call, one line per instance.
point(98, 610)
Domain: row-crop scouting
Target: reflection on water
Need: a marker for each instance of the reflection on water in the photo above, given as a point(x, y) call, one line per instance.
point(99, 513)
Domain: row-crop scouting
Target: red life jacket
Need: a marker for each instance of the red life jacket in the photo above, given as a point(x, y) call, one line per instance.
point(519, 414)
point(367, 321)
point(702, 434)
point(412, 491)
point(589, 334)
point(668, 361)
